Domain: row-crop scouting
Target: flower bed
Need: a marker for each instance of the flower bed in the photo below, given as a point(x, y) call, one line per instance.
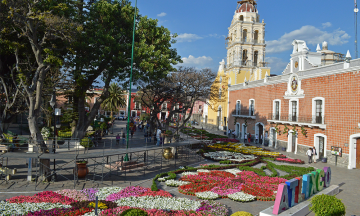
point(226, 155)
point(242, 148)
point(224, 140)
point(242, 197)
point(208, 195)
point(155, 203)
point(289, 160)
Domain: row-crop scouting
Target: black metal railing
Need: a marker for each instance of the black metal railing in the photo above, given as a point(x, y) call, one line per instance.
point(243, 113)
point(299, 118)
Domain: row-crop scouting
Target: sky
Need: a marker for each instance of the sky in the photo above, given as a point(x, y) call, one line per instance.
point(202, 27)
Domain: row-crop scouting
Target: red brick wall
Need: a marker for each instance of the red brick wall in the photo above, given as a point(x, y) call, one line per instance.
point(342, 107)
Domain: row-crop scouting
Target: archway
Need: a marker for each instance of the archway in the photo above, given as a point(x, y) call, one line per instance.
point(292, 142)
point(354, 151)
point(259, 130)
point(273, 138)
point(320, 143)
point(237, 130)
point(244, 131)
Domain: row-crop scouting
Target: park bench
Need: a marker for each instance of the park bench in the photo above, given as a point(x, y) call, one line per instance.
point(6, 172)
point(9, 141)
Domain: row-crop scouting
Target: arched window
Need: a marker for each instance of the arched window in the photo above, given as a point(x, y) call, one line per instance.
point(241, 18)
point(235, 35)
point(244, 35)
point(255, 58)
point(256, 36)
point(244, 57)
point(257, 19)
point(238, 107)
point(220, 94)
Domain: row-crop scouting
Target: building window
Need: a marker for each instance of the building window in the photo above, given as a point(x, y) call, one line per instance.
point(256, 53)
point(200, 107)
point(318, 111)
point(219, 94)
point(252, 107)
point(241, 18)
point(238, 107)
point(277, 110)
point(244, 35)
point(294, 111)
point(137, 105)
point(164, 106)
point(256, 36)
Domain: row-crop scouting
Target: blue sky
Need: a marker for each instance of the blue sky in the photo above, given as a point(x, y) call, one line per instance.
point(202, 26)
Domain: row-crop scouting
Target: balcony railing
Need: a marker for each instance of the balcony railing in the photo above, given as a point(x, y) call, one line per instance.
point(299, 119)
point(243, 113)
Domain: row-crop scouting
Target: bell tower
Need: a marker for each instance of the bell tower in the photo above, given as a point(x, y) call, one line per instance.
point(246, 43)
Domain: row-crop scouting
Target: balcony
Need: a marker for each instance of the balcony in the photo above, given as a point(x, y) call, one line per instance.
point(301, 120)
point(243, 114)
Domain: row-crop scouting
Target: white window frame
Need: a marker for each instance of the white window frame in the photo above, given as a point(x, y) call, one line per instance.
point(250, 107)
point(238, 108)
point(274, 108)
point(297, 108)
point(313, 112)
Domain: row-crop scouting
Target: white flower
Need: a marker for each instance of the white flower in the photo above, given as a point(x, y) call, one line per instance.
point(188, 173)
point(203, 170)
point(241, 197)
point(181, 167)
point(175, 183)
point(165, 203)
point(209, 195)
point(233, 171)
point(45, 132)
point(22, 208)
point(106, 191)
point(162, 179)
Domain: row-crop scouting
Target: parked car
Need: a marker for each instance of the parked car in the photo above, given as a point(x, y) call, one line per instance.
point(123, 118)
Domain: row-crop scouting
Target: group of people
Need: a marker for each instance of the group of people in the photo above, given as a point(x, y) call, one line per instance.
point(247, 136)
point(311, 153)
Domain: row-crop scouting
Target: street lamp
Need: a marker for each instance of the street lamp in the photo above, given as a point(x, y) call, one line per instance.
point(52, 104)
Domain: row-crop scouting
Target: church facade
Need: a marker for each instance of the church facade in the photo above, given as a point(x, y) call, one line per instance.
point(245, 61)
point(315, 102)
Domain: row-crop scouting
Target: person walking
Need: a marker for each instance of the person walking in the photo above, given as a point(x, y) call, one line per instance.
point(132, 131)
point(256, 138)
point(149, 135)
point(314, 154)
point(118, 139)
point(158, 136)
point(261, 139)
point(249, 138)
point(229, 133)
point(309, 154)
point(245, 137)
point(123, 138)
point(234, 134)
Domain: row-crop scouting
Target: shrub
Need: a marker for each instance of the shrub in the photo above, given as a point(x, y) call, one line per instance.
point(134, 212)
point(86, 142)
point(91, 204)
point(64, 134)
point(242, 213)
point(326, 205)
point(225, 162)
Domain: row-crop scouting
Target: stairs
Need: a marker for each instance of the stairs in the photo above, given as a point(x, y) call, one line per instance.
point(125, 165)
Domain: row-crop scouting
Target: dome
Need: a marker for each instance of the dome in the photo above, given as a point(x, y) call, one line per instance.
point(246, 7)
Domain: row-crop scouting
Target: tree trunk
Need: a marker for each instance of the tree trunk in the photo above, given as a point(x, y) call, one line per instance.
point(37, 139)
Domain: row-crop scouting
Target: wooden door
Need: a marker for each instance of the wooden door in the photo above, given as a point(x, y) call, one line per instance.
point(358, 153)
point(321, 147)
point(293, 142)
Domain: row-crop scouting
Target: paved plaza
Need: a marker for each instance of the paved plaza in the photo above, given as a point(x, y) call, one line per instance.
point(346, 179)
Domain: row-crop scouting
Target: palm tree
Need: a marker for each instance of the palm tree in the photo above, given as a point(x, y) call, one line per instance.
point(115, 99)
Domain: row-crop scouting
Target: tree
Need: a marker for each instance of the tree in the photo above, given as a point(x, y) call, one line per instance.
point(103, 51)
point(41, 31)
point(181, 89)
point(115, 99)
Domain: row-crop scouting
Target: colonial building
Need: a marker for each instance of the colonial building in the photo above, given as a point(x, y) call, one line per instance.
point(245, 60)
point(315, 102)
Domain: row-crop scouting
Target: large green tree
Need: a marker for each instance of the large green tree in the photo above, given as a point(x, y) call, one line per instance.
point(37, 33)
point(103, 52)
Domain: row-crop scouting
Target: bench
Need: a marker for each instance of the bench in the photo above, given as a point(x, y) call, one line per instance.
point(7, 172)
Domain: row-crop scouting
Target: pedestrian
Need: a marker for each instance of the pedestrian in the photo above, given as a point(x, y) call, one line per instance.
point(234, 134)
point(132, 131)
point(249, 138)
point(266, 138)
point(118, 139)
point(158, 136)
point(229, 133)
point(261, 139)
point(245, 137)
point(149, 135)
point(256, 138)
point(309, 154)
point(123, 138)
point(314, 154)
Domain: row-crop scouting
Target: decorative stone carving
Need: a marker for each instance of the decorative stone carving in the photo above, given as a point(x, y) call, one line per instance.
point(294, 88)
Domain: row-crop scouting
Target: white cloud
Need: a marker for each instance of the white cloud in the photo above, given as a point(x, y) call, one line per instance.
point(216, 36)
point(187, 37)
point(199, 62)
point(277, 64)
point(161, 14)
point(326, 25)
point(310, 34)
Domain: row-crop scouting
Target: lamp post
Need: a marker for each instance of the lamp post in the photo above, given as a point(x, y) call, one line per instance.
point(53, 105)
point(129, 104)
